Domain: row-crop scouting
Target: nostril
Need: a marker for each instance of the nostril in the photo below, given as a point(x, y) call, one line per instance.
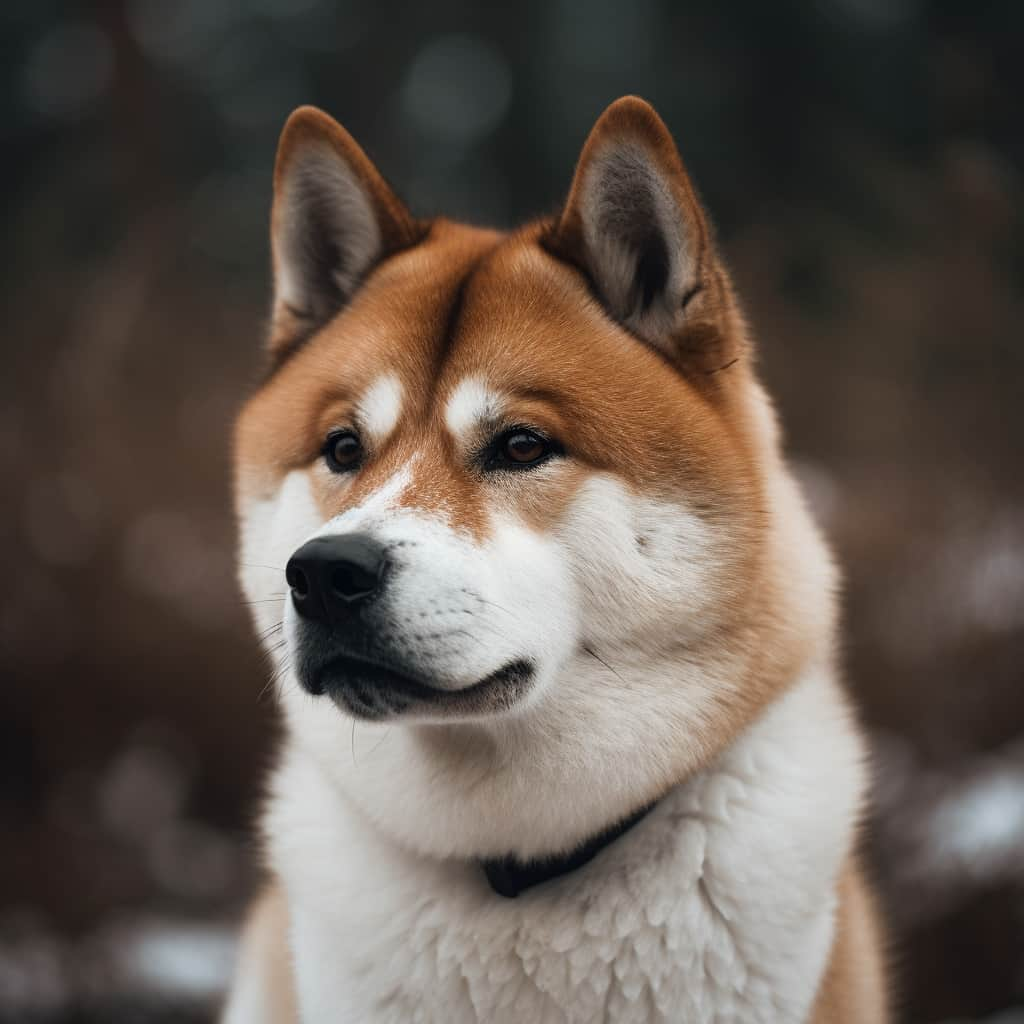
point(350, 581)
point(297, 580)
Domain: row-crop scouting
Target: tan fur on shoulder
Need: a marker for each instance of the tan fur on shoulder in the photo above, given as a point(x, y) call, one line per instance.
point(263, 989)
point(854, 989)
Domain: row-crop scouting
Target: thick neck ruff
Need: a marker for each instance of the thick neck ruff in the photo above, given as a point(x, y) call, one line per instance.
point(509, 876)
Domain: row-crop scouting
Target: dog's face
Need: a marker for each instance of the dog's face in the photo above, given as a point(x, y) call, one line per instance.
point(495, 479)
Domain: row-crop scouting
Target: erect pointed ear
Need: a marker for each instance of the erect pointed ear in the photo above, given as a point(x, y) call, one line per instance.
point(334, 219)
point(634, 225)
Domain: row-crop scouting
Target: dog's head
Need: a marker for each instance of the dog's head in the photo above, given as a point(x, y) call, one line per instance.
point(517, 495)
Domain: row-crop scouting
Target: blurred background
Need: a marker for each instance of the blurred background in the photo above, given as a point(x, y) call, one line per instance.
point(863, 160)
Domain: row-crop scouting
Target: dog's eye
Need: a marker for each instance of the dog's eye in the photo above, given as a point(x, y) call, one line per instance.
point(343, 451)
point(523, 447)
point(519, 448)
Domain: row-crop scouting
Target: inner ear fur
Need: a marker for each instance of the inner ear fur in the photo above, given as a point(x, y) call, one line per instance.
point(334, 218)
point(633, 224)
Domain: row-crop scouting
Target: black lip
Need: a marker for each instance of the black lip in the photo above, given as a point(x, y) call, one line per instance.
point(372, 690)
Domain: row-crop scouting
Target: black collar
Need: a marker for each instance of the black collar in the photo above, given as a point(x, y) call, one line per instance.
point(510, 876)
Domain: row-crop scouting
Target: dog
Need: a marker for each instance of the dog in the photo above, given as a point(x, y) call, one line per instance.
point(553, 631)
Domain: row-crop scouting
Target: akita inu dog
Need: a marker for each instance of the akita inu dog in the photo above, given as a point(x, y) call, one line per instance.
point(554, 631)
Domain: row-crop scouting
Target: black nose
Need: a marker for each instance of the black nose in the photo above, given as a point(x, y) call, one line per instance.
point(331, 576)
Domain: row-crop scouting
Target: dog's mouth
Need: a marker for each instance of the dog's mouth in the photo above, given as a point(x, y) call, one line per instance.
point(373, 691)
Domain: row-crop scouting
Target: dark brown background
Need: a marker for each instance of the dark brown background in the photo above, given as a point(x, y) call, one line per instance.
point(863, 160)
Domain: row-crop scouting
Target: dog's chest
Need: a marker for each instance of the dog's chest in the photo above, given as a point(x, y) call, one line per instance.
point(629, 946)
point(700, 913)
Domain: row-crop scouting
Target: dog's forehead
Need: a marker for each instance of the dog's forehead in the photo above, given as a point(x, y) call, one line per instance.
point(530, 334)
point(379, 355)
point(467, 333)
point(431, 316)
point(441, 333)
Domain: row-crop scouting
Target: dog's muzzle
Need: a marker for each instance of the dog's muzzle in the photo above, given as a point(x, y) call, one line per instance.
point(338, 585)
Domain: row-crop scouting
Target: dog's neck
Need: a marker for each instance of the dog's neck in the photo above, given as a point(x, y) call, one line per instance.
point(737, 864)
point(522, 786)
point(509, 876)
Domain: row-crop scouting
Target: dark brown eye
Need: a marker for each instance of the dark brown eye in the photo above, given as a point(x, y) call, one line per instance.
point(524, 447)
point(343, 451)
point(518, 448)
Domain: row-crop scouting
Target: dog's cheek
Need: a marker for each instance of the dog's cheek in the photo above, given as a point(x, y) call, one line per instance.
point(270, 529)
point(641, 565)
point(535, 592)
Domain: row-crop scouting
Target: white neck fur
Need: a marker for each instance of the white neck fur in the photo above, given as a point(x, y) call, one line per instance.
point(718, 905)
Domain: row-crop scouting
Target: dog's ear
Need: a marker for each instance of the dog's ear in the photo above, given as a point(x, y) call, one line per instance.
point(334, 219)
point(634, 225)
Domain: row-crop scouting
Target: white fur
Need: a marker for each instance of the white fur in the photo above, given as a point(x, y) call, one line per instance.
point(379, 409)
point(718, 906)
point(636, 556)
point(269, 526)
point(471, 403)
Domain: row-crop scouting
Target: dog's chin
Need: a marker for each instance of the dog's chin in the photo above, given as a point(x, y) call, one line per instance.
point(375, 692)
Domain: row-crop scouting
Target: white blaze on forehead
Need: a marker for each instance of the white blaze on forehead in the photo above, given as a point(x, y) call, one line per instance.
point(380, 407)
point(471, 402)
